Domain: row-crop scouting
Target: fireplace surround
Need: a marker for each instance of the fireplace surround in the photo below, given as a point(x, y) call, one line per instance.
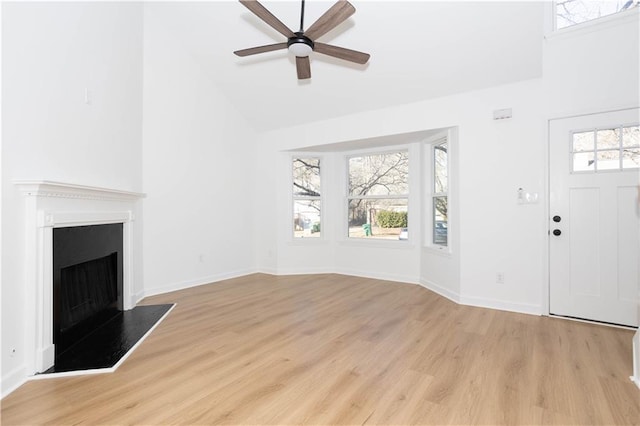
point(51, 205)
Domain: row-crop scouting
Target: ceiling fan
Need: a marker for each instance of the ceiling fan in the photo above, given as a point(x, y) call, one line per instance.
point(302, 43)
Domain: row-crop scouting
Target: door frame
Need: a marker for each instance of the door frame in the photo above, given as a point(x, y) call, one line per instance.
point(546, 290)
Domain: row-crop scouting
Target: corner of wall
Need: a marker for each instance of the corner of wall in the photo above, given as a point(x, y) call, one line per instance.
point(182, 285)
point(501, 305)
point(442, 291)
point(12, 380)
point(480, 302)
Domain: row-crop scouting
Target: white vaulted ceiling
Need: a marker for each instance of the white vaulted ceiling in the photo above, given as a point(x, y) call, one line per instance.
point(419, 50)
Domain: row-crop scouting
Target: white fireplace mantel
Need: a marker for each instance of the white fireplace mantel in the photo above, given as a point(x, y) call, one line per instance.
point(46, 188)
point(50, 205)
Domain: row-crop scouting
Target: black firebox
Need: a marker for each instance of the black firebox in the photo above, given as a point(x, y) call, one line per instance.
point(87, 281)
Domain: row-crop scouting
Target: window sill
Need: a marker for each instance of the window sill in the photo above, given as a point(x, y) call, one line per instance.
point(439, 251)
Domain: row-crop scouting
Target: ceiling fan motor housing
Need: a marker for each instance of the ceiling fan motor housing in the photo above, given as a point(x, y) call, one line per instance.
point(300, 45)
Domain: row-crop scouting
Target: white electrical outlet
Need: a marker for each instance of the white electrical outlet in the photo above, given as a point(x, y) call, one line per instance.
point(499, 278)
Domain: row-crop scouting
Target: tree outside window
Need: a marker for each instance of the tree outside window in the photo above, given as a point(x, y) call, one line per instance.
point(615, 148)
point(378, 196)
point(306, 197)
point(573, 12)
point(440, 195)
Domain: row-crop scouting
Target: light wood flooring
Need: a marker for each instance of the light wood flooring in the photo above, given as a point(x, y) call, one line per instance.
point(333, 349)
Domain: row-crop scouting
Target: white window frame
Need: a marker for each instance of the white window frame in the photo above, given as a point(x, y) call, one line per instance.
point(606, 20)
point(431, 195)
point(364, 153)
point(293, 198)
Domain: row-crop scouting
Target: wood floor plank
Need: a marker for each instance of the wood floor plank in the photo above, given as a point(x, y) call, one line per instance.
point(334, 349)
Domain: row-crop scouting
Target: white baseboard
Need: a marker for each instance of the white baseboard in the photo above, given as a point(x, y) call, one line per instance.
point(442, 291)
point(482, 302)
point(303, 271)
point(350, 272)
point(501, 305)
point(268, 271)
point(375, 275)
point(137, 297)
point(196, 282)
point(13, 380)
point(636, 359)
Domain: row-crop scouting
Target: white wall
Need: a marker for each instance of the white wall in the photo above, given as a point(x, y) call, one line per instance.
point(585, 71)
point(219, 185)
point(51, 53)
point(594, 67)
point(495, 158)
point(198, 170)
point(440, 266)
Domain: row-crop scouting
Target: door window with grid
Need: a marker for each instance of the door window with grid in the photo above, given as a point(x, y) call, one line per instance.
point(614, 148)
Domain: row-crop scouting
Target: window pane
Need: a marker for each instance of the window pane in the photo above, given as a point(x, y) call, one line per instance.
point(572, 12)
point(583, 162)
point(306, 177)
point(631, 136)
point(631, 158)
point(440, 168)
point(608, 139)
point(584, 141)
point(306, 218)
point(608, 160)
point(378, 218)
point(381, 174)
point(440, 205)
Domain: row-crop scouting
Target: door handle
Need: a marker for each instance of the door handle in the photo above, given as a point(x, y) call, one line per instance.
point(557, 218)
point(557, 232)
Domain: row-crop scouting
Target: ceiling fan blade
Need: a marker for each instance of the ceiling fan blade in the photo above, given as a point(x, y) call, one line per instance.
point(261, 49)
point(261, 12)
point(333, 17)
point(303, 67)
point(341, 53)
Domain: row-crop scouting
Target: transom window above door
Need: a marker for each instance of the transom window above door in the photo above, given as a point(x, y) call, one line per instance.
point(614, 148)
point(573, 12)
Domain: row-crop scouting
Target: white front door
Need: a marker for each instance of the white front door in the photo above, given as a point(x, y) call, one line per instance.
point(594, 218)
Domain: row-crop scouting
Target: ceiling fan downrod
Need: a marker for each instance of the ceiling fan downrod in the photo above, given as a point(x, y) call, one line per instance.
point(302, 17)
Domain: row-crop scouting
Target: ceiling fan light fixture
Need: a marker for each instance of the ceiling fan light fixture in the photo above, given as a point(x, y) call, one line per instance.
point(300, 49)
point(300, 45)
